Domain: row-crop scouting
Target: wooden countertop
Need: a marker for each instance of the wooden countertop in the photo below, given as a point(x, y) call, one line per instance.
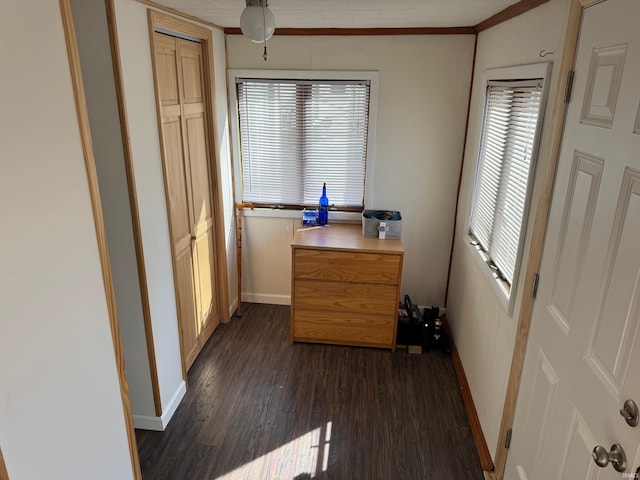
point(346, 237)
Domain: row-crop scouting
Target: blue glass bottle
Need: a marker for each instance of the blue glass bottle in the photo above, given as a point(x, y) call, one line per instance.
point(323, 210)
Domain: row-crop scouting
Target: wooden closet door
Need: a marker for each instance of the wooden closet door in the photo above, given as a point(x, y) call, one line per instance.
point(197, 151)
point(177, 183)
point(180, 77)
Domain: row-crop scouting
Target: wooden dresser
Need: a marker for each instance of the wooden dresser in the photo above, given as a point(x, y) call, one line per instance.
point(345, 288)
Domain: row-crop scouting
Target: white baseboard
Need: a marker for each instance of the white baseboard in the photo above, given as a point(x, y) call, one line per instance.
point(266, 298)
point(145, 422)
point(233, 307)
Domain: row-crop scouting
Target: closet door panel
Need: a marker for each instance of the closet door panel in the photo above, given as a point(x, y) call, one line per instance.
point(201, 193)
point(191, 66)
point(167, 71)
point(199, 154)
point(176, 184)
point(206, 300)
point(189, 327)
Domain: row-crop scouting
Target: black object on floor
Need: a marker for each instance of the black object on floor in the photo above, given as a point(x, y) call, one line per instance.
point(422, 329)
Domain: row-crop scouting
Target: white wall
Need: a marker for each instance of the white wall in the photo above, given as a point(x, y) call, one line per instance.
point(223, 153)
point(266, 259)
point(61, 413)
point(97, 71)
point(422, 105)
point(484, 333)
point(135, 54)
point(135, 51)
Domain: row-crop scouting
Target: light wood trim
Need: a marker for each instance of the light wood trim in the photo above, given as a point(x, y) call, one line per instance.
point(222, 280)
point(173, 11)
point(3, 468)
point(365, 31)
point(534, 256)
point(133, 203)
point(472, 414)
point(588, 3)
point(162, 20)
point(239, 208)
point(92, 179)
point(508, 13)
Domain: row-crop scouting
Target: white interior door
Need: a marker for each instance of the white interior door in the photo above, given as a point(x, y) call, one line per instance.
point(583, 355)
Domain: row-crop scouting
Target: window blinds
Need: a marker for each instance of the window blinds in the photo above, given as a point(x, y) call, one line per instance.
point(510, 125)
point(295, 135)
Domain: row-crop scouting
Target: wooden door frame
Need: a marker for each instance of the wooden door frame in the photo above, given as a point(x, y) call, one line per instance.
point(3, 468)
point(542, 210)
point(101, 237)
point(205, 35)
point(133, 202)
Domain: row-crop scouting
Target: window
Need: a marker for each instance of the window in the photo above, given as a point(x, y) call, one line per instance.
point(297, 134)
point(512, 116)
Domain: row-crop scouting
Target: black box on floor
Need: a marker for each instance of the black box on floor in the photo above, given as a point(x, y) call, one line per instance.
point(409, 326)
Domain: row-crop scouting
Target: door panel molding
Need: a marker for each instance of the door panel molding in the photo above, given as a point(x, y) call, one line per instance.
point(579, 209)
point(545, 386)
point(603, 85)
point(609, 349)
point(578, 444)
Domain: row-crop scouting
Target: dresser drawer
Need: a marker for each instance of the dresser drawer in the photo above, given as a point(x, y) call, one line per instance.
point(345, 297)
point(346, 266)
point(364, 329)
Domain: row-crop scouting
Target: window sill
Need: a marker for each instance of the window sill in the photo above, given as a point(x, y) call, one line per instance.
point(504, 293)
point(334, 216)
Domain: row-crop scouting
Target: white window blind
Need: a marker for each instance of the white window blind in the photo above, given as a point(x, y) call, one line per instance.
point(295, 135)
point(502, 182)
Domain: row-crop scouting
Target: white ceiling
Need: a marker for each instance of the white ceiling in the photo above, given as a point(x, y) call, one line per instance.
point(349, 13)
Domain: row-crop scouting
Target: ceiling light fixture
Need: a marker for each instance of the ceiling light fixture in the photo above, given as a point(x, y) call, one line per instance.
point(257, 23)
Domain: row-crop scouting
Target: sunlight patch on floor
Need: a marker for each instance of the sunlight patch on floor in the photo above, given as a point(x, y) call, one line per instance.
point(302, 458)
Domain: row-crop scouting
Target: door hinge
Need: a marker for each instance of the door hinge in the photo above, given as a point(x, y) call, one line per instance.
point(507, 442)
point(569, 86)
point(534, 287)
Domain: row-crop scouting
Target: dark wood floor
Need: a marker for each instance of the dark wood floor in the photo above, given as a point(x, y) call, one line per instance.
point(259, 407)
